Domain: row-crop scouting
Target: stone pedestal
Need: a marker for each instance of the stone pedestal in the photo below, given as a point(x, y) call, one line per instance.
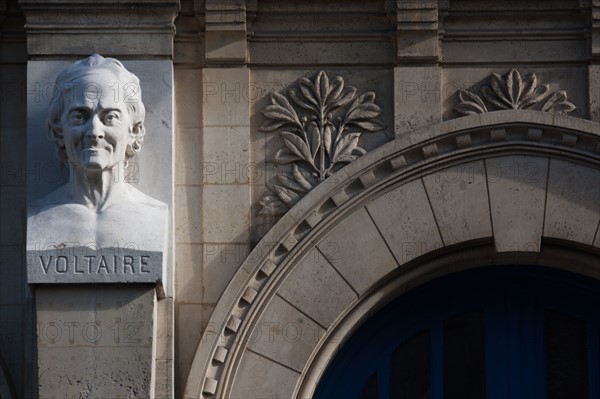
point(97, 308)
point(104, 336)
point(96, 340)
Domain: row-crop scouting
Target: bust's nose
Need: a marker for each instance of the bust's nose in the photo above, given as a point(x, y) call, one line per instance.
point(95, 128)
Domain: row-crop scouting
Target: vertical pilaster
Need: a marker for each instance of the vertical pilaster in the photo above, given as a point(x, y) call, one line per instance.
point(213, 185)
point(595, 29)
point(225, 147)
point(594, 68)
point(417, 76)
point(227, 175)
point(225, 35)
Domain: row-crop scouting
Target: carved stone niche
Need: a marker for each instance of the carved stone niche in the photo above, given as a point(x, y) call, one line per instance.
point(94, 226)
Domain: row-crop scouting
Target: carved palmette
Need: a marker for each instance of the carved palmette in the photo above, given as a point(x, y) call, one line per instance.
point(320, 122)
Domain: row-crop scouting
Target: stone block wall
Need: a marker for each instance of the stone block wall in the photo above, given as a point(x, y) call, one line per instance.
point(415, 56)
point(228, 58)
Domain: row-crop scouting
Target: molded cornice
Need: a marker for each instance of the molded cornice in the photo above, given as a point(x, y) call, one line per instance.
point(73, 28)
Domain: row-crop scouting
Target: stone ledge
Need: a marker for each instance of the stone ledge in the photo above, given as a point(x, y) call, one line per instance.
point(76, 27)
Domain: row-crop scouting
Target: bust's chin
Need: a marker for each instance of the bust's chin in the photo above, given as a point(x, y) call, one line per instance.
point(96, 160)
point(96, 166)
point(92, 166)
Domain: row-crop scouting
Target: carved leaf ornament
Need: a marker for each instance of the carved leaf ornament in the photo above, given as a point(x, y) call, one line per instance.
point(513, 92)
point(320, 125)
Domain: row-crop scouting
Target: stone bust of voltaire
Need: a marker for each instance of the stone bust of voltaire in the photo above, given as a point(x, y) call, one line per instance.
point(97, 130)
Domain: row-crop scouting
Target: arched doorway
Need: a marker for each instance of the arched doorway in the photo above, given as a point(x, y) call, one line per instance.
point(500, 332)
point(505, 187)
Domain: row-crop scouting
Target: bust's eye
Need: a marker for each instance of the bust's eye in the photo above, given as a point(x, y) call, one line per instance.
point(111, 117)
point(77, 116)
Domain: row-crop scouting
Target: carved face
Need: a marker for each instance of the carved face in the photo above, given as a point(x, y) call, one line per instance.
point(97, 127)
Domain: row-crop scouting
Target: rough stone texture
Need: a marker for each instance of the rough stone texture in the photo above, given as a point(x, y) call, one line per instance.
point(255, 370)
point(188, 276)
point(227, 161)
point(128, 27)
point(226, 213)
point(417, 31)
point(301, 33)
point(595, 42)
point(594, 92)
point(189, 280)
point(219, 264)
point(225, 204)
point(213, 191)
point(362, 259)
point(512, 34)
point(226, 112)
point(305, 289)
point(572, 202)
point(377, 45)
point(285, 335)
point(459, 197)
point(405, 219)
point(188, 171)
point(102, 338)
point(188, 208)
point(418, 99)
point(188, 329)
point(224, 97)
point(225, 37)
point(188, 164)
point(164, 363)
point(517, 187)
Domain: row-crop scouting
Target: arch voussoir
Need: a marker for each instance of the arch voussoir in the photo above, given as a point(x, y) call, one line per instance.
point(507, 186)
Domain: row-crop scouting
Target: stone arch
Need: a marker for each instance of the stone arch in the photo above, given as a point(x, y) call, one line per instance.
point(501, 187)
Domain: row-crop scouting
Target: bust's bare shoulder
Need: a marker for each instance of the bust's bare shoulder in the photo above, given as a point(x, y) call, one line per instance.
point(139, 197)
point(54, 199)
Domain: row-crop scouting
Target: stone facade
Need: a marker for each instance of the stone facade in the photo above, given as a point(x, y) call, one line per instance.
point(318, 160)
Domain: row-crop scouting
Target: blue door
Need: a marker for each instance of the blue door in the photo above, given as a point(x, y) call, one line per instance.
point(510, 332)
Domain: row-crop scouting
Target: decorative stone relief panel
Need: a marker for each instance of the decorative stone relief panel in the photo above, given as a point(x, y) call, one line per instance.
point(320, 128)
point(512, 91)
point(97, 226)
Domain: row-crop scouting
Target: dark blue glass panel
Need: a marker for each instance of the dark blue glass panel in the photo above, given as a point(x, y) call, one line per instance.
point(410, 368)
point(464, 356)
point(370, 390)
point(566, 356)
